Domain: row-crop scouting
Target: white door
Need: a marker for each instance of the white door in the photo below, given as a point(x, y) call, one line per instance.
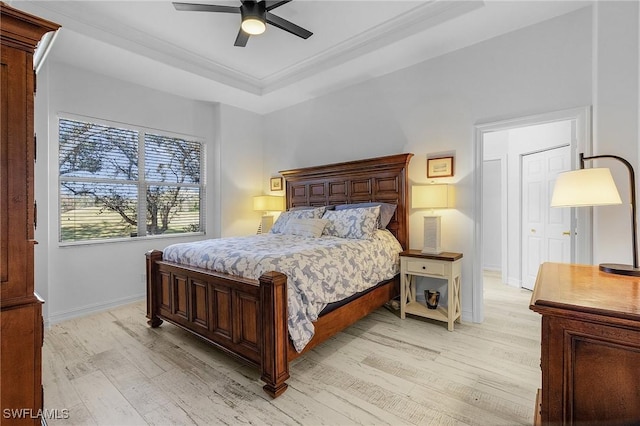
point(546, 231)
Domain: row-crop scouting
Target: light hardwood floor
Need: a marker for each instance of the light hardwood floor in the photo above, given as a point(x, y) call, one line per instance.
point(112, 369)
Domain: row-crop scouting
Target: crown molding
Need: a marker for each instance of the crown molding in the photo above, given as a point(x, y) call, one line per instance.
point(136, 41)
point(110, 31)
point(412, 22)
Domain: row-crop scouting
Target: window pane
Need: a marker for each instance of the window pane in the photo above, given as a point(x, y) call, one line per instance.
point(103, 193)
point(97, 151)
point(90, 211)
point(171, 160)
point(172, 209)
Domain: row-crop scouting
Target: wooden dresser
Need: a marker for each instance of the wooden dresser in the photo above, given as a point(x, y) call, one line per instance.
point(590, 356)
point(20, 308)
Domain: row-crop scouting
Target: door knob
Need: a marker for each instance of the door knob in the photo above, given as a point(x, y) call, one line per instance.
point(533, 231)
point(566, 233)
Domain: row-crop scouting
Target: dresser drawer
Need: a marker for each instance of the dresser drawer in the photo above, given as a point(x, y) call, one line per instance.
point(428, 267)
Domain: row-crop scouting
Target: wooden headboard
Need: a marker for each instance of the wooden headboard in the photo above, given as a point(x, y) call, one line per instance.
point(381, 179)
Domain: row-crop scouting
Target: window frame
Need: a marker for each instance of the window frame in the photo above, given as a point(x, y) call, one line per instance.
point(141, 183)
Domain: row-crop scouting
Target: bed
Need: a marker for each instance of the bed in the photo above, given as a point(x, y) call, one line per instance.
point(247, 318)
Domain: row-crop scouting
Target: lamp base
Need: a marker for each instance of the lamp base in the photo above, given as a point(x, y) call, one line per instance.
point(431, 235)
point(266, 224)
point(619, 269)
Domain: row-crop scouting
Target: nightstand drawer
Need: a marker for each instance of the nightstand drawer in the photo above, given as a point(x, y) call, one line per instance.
point(427, 267)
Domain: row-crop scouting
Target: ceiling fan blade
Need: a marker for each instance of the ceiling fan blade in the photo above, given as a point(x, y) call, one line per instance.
point(283, 24)
point(272, 4)
point(195, 7)
point(241, 39)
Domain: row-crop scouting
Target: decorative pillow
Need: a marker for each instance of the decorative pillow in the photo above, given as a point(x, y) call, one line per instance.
point(358, 223)
point(281, 222)
point(319, 211)
point(311, 208)
point(386, 211)
point(305, 227)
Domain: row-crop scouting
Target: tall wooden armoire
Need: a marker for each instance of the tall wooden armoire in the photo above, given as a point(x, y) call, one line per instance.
point(21, 326)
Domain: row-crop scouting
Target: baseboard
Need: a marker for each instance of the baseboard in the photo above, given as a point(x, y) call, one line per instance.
point(514, 282)
point(94, 308)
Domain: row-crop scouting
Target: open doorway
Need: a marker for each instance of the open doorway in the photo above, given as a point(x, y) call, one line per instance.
point(531, 232)
point(516, 164)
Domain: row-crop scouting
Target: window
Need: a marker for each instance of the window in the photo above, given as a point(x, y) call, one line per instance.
point(104, 194)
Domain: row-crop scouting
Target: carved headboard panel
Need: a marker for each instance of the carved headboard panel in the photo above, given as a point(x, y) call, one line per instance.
point(381, 179)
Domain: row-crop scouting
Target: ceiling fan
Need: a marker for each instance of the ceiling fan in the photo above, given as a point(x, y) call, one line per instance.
point(255, 15)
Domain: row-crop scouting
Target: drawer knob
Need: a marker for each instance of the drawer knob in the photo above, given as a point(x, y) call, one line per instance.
point(424, 267)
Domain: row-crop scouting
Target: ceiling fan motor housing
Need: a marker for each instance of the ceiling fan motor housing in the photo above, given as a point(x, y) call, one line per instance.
point(253, 17)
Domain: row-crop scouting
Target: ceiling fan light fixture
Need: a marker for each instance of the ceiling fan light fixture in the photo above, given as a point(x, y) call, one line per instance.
point(253, 25)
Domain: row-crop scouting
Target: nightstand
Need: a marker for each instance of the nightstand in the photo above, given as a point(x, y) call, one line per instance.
point(446, 266)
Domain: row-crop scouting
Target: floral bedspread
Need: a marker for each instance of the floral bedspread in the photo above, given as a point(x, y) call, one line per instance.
point(319, 270)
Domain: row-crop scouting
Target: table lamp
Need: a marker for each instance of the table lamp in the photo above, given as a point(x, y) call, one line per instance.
point(267, 204)
point(434, 196)
point(595, 187)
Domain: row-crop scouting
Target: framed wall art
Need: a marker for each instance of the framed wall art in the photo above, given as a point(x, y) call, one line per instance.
point(439, 167)
point(275, 184)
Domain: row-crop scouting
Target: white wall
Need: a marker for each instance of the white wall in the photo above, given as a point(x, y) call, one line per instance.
point(241, 171)
point(615, 127)
point(494, 204)
point(79, 279)
point(433, 106)
point(492, 215)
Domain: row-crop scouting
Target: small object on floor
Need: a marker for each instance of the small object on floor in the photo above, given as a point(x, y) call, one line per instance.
point(432, 297)
point(393, 305)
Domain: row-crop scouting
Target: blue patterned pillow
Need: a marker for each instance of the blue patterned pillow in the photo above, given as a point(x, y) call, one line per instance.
point(360, 223)
point(281, 222)
point(305, 227)
point(386, 211)
point(320, 208)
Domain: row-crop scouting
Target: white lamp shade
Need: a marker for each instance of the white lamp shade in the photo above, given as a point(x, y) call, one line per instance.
point(585, 187)
point(437, 196)
point(268, 203)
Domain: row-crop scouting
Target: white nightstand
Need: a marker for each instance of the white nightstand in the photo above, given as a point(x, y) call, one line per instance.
point(446, 266)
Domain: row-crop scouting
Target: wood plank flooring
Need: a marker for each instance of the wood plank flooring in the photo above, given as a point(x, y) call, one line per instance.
point(111, 369)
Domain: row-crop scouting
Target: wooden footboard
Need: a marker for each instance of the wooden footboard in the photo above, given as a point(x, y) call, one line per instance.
point(245, 318)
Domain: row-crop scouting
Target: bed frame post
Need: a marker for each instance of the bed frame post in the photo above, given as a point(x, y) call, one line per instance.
point(152, 288)
point(274, 363)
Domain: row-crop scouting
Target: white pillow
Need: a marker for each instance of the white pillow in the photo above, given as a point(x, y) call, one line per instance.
point(281, 222)
point(305, 227)
point(359, 223)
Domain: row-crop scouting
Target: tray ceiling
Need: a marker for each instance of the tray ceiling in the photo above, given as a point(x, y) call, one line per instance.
point(192, 54)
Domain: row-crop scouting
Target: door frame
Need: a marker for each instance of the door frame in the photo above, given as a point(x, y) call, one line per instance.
point(582, 143)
